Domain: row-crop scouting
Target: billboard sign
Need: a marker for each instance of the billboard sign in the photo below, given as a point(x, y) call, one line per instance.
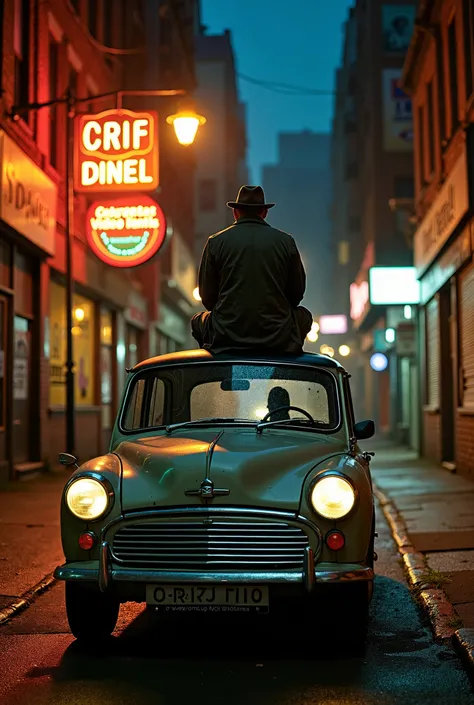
point(127, 231)
point(398, 22)
point(397, 114)
point(116, 150)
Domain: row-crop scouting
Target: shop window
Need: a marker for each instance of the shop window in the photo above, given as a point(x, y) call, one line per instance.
point(106, 356)
point(432, 354)
point(453, 75)
point(3, 352)
point(207, 195)
point(53, 93)
point(83, 348)
point(466, 314)
point(21, 42)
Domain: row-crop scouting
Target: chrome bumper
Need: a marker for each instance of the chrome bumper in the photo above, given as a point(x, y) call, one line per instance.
point(104, 572)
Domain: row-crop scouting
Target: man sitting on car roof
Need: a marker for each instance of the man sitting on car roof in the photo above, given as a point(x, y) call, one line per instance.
point(251, 281)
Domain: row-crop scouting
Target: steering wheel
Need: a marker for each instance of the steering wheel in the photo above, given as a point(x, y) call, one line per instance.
point(288, 408)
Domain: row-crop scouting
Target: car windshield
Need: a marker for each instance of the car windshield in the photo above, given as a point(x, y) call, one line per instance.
point(233, 393)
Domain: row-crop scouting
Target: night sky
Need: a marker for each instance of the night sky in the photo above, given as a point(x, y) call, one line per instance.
point(302, 48)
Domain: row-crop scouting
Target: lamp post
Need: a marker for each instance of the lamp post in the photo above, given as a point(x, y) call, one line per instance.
point(185, 123)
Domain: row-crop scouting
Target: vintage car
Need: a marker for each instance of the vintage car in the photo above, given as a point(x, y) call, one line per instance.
point(232, 485)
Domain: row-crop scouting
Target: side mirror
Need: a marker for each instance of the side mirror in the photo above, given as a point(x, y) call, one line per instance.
point(67, 459)
point(364, 430)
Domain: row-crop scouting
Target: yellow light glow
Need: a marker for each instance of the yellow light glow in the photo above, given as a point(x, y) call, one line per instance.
point(315, 327)
point(260, 413)
point(196, 294)
point(87, 499)
point(312, 336)
point(76, 330)
point(344, 350)
point(79, 314)
point(333, 497)
point(186, 125)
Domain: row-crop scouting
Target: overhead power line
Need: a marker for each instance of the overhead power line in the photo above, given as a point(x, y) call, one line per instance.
point(285, 88)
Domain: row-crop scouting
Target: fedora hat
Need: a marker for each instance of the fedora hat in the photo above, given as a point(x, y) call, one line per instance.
point(250, 196)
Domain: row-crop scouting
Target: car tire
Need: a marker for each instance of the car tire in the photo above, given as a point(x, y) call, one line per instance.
point(91, 614)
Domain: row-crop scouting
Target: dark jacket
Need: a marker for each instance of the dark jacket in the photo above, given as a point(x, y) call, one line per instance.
point(252, 278)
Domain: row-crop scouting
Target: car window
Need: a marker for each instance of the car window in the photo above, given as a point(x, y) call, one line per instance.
point(173, 394)
point(139, 413)
point(261, 398)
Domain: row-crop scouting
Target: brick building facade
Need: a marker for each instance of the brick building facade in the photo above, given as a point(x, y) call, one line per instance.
point(88, 47)
point(439, 73)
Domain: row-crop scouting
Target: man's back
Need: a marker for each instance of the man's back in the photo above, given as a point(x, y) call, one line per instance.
point(252, 279)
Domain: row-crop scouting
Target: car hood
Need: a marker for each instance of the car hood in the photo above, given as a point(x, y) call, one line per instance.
point(266, 470)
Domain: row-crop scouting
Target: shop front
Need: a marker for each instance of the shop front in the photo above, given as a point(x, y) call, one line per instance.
point(443, 258)
point(28, 203)
point(177, 303)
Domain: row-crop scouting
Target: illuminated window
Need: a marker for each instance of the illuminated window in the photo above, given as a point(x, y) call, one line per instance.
point(83, 347)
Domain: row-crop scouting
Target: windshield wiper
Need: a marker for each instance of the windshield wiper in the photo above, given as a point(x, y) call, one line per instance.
point(266, 424)
point(204, 422)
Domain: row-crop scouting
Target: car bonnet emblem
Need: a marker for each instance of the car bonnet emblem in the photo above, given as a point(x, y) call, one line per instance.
point(207, 489)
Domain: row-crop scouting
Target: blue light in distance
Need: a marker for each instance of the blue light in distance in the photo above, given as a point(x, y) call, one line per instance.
point(379, 362)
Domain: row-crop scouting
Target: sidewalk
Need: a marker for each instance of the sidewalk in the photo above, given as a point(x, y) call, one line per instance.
point(431, 513)
point(30, 541)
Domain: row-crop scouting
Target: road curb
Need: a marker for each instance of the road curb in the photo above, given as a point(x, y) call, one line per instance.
point(434, 601)
point(25, 600)
point(463, 642)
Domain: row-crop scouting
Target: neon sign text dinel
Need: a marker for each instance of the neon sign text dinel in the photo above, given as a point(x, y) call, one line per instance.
point(116, 150)
point(126, 232)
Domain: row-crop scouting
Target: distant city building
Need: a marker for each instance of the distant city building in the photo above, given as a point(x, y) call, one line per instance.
point(372, 158)
point(220, 149)
point(300, 185)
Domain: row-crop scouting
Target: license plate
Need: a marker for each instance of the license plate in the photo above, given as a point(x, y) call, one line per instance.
point(209, 598)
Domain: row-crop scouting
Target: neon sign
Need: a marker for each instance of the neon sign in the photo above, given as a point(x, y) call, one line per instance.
point(116, 150)
point(126, 232)
point(359, 296)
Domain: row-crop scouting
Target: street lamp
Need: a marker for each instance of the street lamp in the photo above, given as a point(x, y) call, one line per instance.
point(185, 123)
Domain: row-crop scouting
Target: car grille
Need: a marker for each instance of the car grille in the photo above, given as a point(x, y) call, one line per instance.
point(222, 545)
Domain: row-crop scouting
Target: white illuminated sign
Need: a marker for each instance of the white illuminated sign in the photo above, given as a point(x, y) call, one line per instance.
point(333, 325)
point(393, 286)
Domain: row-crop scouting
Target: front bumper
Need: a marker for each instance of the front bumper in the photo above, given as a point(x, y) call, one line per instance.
point(105, 573)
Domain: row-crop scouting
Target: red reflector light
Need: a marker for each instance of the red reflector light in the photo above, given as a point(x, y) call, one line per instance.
point(335, 540)
point(87, 541)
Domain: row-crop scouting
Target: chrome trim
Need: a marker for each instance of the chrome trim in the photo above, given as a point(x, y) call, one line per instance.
point(333, 473)
point(84, 571)
point(106, 484)
point(104, 572)
point(342, 421)
point(308, 569)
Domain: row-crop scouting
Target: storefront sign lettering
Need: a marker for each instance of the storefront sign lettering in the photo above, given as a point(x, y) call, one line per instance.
point(28, 198)
point(116, 150)
point(443, 217)
point(447, 265)
point(359, 297)
point(126, 232)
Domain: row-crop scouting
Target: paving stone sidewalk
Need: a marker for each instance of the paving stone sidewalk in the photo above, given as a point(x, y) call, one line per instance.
point(438, 509)
point(30, 541)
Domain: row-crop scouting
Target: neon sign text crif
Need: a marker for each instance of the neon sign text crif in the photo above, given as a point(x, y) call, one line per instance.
point(116, 150)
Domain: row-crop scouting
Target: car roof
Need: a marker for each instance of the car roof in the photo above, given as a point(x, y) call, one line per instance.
point(190, 356)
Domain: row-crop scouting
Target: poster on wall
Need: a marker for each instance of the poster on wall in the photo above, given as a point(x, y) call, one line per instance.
point(20, 365)
point(398, 22)
point(397, 114)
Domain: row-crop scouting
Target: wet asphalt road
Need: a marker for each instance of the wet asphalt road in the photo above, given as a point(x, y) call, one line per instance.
point(232, 664)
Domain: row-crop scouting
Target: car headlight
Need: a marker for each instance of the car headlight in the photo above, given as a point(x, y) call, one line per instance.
point(87, 498)
point(333, 497)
